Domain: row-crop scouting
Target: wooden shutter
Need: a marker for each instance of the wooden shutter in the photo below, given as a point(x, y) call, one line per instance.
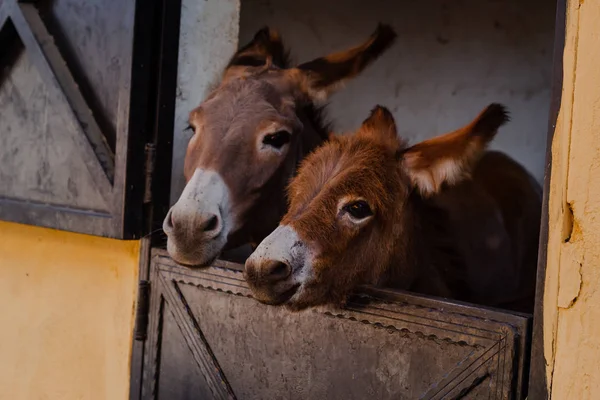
point(76, 98)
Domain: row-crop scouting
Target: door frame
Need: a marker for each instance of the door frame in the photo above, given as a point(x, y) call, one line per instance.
point(164, 30)
point(538, 385)
point(169, 28)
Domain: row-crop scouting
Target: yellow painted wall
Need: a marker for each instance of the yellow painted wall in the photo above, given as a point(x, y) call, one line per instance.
point(572, 288)
point(66, 314)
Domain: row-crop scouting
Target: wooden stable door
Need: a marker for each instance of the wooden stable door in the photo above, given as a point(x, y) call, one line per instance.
point(80, 86)
point(208, 338)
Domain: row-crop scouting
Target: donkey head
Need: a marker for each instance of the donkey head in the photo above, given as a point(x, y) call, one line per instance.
point(351, 215)
point(249, 134)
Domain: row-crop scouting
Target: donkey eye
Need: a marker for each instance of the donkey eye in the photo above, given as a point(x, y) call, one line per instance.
point(277, 139)
point(359, 209)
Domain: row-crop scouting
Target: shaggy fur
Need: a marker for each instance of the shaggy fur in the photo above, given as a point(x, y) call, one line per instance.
point(449, 219)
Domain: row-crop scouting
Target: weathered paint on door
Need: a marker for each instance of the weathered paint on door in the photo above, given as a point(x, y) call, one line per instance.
point(208, 338)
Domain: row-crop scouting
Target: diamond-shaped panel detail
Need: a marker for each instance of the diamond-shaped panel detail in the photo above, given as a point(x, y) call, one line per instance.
point(38, 161)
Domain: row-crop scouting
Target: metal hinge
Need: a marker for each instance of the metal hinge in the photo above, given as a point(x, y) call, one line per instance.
point(150, 152)
point(142, 310)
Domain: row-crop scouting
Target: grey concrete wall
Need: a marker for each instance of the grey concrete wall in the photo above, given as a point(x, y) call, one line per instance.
point(452, 58)
point(207, 39)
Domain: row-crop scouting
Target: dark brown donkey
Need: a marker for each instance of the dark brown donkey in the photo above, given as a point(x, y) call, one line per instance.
point(443, 217)
point(249, 136)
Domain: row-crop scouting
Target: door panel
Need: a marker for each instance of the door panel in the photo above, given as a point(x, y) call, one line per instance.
point(44, 165)
point(86, 33)
point(182, 379)
point(76, 90)
point(382, 344)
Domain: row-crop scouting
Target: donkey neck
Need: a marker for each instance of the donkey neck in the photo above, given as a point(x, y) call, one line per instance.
point(424, 252)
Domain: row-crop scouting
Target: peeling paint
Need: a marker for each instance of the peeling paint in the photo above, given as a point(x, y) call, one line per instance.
point(567, 222)
point(571, 313)
point(570, 280)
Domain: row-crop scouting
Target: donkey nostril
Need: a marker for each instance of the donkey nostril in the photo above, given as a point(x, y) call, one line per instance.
point(211, 224)
point(277, 271)
point(168, 224)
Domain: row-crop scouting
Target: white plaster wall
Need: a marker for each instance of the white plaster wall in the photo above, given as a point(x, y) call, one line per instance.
point(452, 58)
point(207, 39)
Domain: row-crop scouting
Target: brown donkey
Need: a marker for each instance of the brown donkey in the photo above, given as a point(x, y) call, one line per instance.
point(250, 133)
point(442, 217)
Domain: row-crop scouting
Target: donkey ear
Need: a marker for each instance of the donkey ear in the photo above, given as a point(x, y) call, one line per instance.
point(449, 158)
point(266, 48)
point(381, 127)
point(320, 77)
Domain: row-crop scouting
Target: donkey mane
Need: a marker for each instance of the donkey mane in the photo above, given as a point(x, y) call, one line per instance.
point(270, 44)
point(316, 115)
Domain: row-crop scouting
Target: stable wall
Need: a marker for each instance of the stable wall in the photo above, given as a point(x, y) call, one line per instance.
point(67, 311)
point(571, 296)
point(208, 36)
point(451, 59)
